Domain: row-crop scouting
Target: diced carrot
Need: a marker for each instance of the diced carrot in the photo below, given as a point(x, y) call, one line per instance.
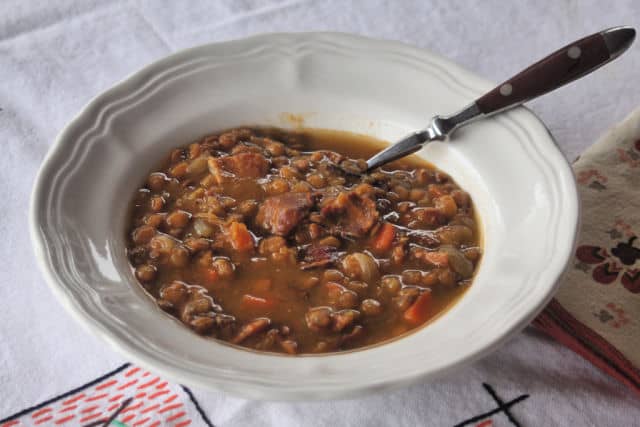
point(210, 276)
point(439, 259)
point(419, 310)
point(262, 285)
point(241, 239)
point(179, 170)
point(250, 302)
point(383, 239)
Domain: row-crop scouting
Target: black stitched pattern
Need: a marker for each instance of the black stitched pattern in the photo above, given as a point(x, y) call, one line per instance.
point(502, 407)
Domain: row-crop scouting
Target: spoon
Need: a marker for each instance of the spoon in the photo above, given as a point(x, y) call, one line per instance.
point(561, 67)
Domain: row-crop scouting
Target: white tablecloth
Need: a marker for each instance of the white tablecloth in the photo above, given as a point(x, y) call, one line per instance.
point(56, 55)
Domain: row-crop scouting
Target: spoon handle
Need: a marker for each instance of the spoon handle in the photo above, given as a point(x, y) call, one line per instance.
point(561, 67)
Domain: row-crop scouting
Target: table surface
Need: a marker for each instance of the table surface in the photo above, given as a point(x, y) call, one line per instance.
point(55, 56)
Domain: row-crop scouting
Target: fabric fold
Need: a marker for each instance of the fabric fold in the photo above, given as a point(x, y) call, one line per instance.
point(596, 311)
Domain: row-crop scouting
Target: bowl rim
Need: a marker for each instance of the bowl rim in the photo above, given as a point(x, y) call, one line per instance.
point(94, 326)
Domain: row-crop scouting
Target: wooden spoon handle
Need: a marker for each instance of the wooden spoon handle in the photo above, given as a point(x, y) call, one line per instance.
point(561, 67)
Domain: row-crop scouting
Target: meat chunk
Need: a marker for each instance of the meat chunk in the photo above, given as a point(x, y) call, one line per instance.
point(425, 238)
point(354, 214)
point(241, 165)
point(251, 328)
point(447, 257)
point(319, 256)
point(281, 214)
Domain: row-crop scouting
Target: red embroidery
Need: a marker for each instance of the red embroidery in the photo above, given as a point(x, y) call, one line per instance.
point(64, 420)
point(142, 421)
point(73, 399)
point(630, 156)
point(41, 412)
point(631, 280)
point(147, 384)
point(106, 385)
point(175, 396)
point(592, 178)
point(128, 418)
point(616, 263)
point(613, 315)
point(90, 417)
point(129, 384)
point(131, 372)
point(620, 315)
point(170, 407)
point(159, 393)
point(98, 397)
point(116, 397)
point(176, 416)
point(44, 420)
point(623, 228)
point(150, 408)
point(104, 399)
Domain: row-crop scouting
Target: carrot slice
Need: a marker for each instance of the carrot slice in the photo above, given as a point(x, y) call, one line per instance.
point(210, 276)
point(251, 302)
point(383, 239)
point(419, 310)
point(241, 239)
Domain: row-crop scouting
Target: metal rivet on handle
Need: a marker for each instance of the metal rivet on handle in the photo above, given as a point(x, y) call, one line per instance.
point(574, 52)
point(506, 89)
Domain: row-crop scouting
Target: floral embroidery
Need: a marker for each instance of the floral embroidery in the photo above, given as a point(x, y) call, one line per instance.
point(630, 156)
point(592, 178)
point(613, 314)
point(617, 263)
point(621, 228)
point(604, 316)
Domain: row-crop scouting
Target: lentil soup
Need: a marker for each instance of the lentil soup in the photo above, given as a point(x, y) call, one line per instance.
point(280, 241)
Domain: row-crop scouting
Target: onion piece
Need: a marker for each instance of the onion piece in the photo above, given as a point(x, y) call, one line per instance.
point(197, 166)
point(458, 262)
point(203, 228)
point(360, 266)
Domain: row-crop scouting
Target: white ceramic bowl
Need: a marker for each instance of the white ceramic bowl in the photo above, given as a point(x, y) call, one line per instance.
point(520, 182)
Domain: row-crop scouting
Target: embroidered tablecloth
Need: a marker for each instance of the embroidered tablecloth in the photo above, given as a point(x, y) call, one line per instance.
point(55, 56)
